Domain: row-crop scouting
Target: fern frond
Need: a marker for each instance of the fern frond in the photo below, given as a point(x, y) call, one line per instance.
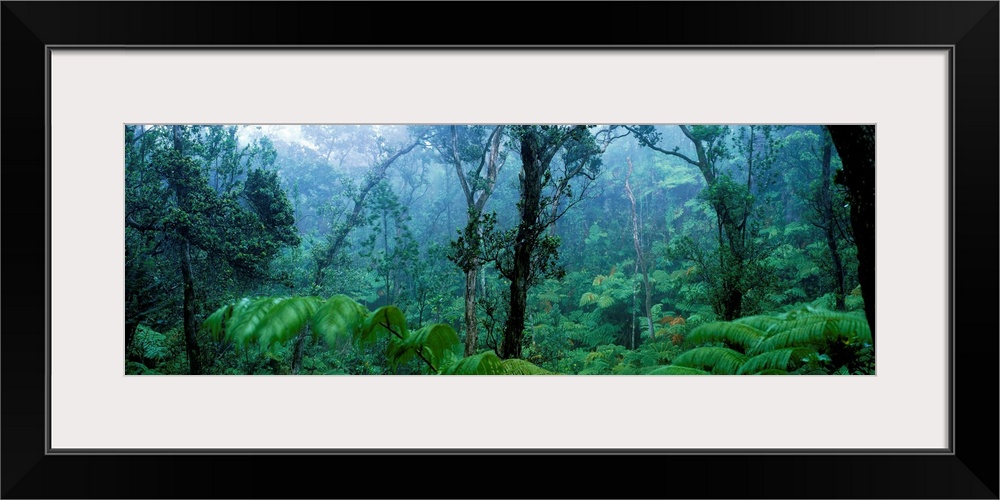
point(720, 360)
point(339, 317)
point(605, 301)
point(677, 370)
point(733, 334)
point(522, 367)
point(781, 359)
point(818, 329)
point(588, 298)
point(762, 323)
point(486, 363)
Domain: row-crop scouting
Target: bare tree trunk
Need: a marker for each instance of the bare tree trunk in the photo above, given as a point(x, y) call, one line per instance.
point(640, 255)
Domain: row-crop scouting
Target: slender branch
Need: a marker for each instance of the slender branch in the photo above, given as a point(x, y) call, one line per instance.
point(419, 352)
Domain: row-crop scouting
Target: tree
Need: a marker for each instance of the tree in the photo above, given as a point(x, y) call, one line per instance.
point(826, 216)
point(382, 157)
point(475, 153)
point(735, 268)
point(532, 255)
point(243, 224)
point(856, 147)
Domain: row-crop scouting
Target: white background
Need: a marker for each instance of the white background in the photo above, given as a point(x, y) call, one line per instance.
point(95, 92)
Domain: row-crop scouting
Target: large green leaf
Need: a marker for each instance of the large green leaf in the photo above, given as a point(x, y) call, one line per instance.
point(436, 344)
point(247, 318)
point(215, 322)
point(340, 317)
point(286, 319)
point(387, 320)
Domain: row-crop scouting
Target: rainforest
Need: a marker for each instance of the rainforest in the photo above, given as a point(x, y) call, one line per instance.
point(632, 249)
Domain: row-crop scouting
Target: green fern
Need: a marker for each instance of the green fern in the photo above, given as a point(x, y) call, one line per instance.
point(486, 363)
point(818, 329)
point(522, 367)
point(762, 323)
point(605, 302)
point(781, 359)
point(720, 360)
point(677, 370)
point(733, 334)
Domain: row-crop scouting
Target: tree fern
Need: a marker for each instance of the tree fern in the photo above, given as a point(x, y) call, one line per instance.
point(720, 360)
point(818, 329)
point(486, 363)
point(781, 359)
point(732, 334)
point(588, 298)
point(677, 370)
point(762, 323)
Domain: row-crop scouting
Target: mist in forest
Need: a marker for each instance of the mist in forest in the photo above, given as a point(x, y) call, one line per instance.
point(499, 249)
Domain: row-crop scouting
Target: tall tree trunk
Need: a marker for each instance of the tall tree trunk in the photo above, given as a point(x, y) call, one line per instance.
point(856, 146)
point(190, 325)
point(639, 254)
point(526, 239)
point(831, 237)
point(187, 274)
point(514, 329)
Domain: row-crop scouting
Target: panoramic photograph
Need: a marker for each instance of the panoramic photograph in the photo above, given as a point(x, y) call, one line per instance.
point(483, 249)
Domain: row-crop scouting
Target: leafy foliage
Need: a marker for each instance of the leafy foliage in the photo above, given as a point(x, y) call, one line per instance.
point(277, 320)
point(806, 340)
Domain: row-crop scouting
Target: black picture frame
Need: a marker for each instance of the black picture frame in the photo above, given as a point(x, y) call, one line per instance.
point(968, 470)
